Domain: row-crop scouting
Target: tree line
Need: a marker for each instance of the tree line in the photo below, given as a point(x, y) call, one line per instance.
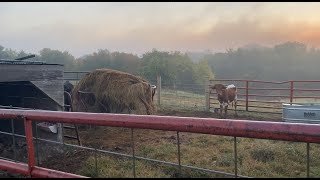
point(286, 61)
point(173, 67)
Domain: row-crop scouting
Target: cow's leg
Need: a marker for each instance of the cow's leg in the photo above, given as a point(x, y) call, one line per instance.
point(235, 104)
point(225, 111)
point(221, 109)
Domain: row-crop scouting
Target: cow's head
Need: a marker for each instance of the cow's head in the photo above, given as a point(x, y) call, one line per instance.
point(219, 88)
point(68, 86)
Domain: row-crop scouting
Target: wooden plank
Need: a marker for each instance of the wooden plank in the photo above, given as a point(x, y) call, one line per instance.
point(52, 88)
point(18, 72)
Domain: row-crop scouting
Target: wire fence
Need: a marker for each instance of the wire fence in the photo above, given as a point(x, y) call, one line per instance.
point(136, 158)
point(175, 96)
point(182, 97)
point(268, 96)
point(176, 157)
point(253, 95)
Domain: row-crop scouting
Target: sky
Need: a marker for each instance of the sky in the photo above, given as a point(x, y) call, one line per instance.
point(137, 27)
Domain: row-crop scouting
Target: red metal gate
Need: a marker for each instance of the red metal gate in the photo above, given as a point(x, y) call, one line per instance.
point(235, 128)
point(251, 99)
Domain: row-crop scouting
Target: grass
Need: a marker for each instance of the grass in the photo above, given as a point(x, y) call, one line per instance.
point(255, 157)
point(181, 100)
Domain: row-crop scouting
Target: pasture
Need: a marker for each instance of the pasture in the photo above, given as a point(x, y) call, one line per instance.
point(255, 157)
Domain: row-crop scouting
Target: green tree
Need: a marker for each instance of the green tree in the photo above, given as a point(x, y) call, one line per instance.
point(96, 60)
point(157, 63)
point(203, 72)
point(7, 53)
point(57, 57)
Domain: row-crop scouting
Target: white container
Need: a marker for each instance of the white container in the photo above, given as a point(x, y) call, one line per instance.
point(301, 113)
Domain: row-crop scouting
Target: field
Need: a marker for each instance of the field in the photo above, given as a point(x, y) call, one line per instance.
point(181, 100)
point(255, 157)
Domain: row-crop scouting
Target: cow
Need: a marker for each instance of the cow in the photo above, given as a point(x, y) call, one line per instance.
point(226, 94)
point(68, 87)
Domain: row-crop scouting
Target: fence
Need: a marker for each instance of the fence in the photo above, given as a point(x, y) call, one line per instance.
point(168, 95)
point(305, 133)
point(254, 96)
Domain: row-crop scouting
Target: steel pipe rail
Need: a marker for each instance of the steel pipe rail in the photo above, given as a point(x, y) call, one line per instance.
point(22, 168)
point(227, 127)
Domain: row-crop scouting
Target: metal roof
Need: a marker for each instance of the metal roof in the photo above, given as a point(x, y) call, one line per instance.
point(9, 62)
point(21, 61)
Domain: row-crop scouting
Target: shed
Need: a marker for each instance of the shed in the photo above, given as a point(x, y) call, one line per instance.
point(32, 85)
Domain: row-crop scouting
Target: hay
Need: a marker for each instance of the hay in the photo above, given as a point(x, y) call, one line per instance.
point(112, 91)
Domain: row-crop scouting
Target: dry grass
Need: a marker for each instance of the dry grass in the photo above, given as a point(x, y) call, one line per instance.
point(256, 158)
point(181, 100)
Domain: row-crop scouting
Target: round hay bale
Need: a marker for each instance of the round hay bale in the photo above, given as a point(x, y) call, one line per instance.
point(112, 91)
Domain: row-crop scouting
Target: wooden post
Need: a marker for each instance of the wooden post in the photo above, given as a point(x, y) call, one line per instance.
point(291, 92)
point(159, 89)
point(60, 129)
point(60, 125)
point(207, 94)
point(247, 95)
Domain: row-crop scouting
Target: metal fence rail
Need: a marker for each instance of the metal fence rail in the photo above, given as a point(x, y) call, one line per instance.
point(307, 133)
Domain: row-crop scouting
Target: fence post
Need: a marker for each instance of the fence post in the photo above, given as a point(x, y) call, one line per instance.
point(291, 92)
point(59, 132)
point(60, 127)
point(30, 147)
point(247, 95)
point(159, 89)
point(77, 77)
point(207, 94)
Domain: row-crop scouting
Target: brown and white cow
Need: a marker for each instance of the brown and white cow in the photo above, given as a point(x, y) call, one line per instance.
point(226, 95)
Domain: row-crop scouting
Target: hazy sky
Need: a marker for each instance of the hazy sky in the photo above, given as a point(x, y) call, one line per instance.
point(83, 27)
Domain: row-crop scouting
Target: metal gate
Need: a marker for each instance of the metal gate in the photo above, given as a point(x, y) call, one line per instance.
point(258, 96)
point(234, 128)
